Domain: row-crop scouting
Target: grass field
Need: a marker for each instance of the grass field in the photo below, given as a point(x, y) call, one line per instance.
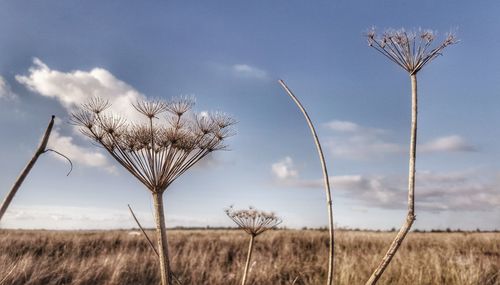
point(217, 256)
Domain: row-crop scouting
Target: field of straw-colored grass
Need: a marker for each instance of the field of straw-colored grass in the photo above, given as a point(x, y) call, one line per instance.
point(217, 256)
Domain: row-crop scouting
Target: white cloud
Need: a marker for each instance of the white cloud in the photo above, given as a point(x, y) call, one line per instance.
point(342, 126)
point(284, 169)
point(5, 90)
point(362, 147)
point(452, 143)
point(353, 141)
point(434, 192)
point(76, 87)
point(77, 154)
point(351, 127)
point(246, 70)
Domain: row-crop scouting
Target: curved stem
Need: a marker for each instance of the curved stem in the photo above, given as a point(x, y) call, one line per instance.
point(63, 156)
point(249, 256)
point(410, 217)
point(326, 183)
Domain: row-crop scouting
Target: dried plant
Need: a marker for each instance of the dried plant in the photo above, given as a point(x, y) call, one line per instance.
point(254, 223)
point(156, 153)
point(148, 240)
point(411, 51)
point(326, 183)
point(41, 149)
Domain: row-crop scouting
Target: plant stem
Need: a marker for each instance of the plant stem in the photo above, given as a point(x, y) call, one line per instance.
point(326, 182)
point(161, 234)
point(27, 169)
point(410, 217)
point(143, 231)
point(249, 256)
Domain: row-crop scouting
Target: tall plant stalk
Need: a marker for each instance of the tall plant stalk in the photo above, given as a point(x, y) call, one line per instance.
point(411, 51)
point(156, 154)
point(326, 183)
point(148, 240)
point(254, 223)
point(41, 149)
point(161, 235)
point(249, 257)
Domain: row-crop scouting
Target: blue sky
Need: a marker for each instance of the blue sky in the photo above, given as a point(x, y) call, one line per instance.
point(229, 55)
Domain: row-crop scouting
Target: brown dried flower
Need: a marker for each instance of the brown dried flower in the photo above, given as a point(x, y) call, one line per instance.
point(159, 152)
point(410, 50)
point(252, 221)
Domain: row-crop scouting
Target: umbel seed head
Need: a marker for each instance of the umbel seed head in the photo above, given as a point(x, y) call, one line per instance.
point(252, 221)
point(159, 151)
point(411, 50)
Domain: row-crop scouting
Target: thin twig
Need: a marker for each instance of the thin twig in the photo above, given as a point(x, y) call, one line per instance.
point(69, 160)
point(143, 231)
point(149, 240)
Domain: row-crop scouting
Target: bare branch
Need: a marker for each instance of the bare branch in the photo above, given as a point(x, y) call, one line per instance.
point(24, 173)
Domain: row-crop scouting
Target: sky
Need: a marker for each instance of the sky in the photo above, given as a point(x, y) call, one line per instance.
point(229, 55)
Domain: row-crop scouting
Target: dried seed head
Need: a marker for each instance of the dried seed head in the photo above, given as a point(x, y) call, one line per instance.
point(204, 124)
point(370, 36)
point(427, 36)
point(96, 105)
point(180, 105)
point(83, 118)
point(112, 124)
point(150, 108)
point(222, 120)
point(158, 153)
point(411, 50)
point(252, 221)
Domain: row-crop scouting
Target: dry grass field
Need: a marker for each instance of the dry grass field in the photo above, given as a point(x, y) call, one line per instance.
point(217, 256)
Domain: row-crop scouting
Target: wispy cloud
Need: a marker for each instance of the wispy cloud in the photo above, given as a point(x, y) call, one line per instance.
point(76, 87)
point(5, 90)
point(452, 143)
point(245, 70)
point(351, 127)
point(353, 141)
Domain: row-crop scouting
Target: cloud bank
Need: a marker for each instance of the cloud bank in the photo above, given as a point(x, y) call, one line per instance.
point(435, 191)
point(352, 141)
point(65, 217)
